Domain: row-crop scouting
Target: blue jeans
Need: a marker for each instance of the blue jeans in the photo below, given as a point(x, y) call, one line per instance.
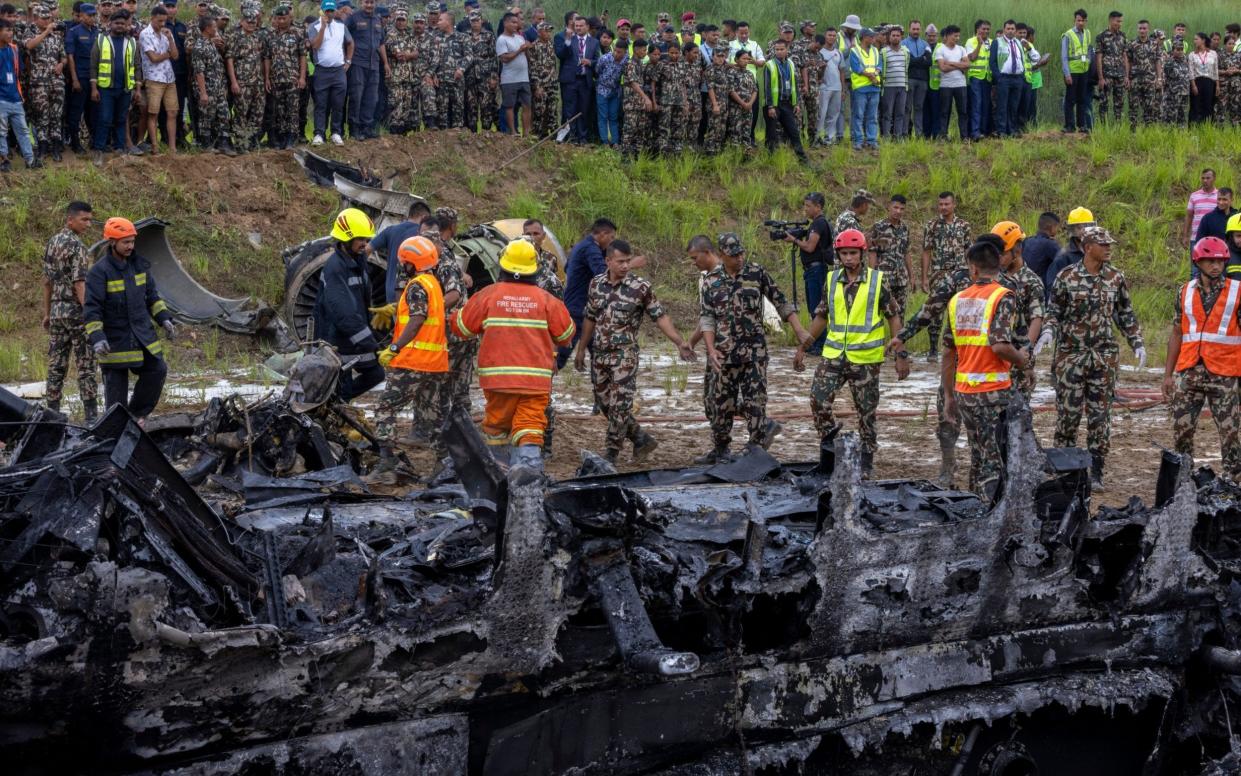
point(113, 114)
point(865, 115)
point(1008, 93)
point(980, 107)
point(815, 278)
point(363, 95)
point(13, 115)
point(608, 111)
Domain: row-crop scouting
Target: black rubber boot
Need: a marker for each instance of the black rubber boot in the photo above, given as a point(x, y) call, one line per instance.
point(1096, 471)
point(711, 457)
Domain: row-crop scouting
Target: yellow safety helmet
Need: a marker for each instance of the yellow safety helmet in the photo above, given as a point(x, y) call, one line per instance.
point(352, 224)
point(1080, 215)
point(1234, 224)
point(520, 257)
point(1010, 232)
point(419, 252)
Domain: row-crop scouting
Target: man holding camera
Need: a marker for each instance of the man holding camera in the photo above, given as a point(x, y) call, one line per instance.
point(815, 244)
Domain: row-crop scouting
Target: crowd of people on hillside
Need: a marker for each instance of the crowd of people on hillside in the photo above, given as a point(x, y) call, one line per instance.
point(114, 81)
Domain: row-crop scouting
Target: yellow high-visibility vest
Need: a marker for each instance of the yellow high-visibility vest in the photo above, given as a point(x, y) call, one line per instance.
point(104, 80)
point(869, 62)
point(857, 330)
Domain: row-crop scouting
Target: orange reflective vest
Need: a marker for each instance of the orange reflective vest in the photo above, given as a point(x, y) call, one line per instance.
point(979, 369)
point(428, 350)
point(1213, 338)
point(521, 326)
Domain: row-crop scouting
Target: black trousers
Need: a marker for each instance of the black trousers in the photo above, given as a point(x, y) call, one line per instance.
point(147, 389)
point(786, 120)
point(359, 379)
point(1202, 104)
point(1077, 104)
point(948, 97)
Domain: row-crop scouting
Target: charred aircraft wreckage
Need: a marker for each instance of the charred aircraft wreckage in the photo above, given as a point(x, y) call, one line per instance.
point(277, 616)
point(237, 591)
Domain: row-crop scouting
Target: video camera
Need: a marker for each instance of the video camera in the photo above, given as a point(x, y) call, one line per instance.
point(778, 230)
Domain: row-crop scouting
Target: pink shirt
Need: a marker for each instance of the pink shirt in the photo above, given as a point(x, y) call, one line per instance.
point(1201, 203)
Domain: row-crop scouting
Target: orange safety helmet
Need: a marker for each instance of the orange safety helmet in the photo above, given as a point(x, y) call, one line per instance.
point(1209, 248)
point(117, 228)
point(418, 252)
point(1010, 232)
point(851, 238)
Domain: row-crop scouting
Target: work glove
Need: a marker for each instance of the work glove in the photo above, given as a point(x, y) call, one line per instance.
point(382, 317)
point(102, 348)
point(385, 357)
point(171, 329)
point(1043, 341)
point(1141, 354)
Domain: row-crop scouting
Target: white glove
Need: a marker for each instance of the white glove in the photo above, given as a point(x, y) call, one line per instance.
point(1043, 341)
point(1141, 354)
point(102, 348)
point(171, 329)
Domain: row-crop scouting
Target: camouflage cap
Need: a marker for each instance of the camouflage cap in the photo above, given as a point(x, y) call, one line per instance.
point(808, 23)
point(545, 26)
point(786, 27)
point(220, 12)
point(864, 194)
point(720, 51)
point(284, 9)
point(664, 16)
point(1097, 234)
point(446, 212)
point(419, 17)
point(730, 244)
point(433, 7)
point(472, 15)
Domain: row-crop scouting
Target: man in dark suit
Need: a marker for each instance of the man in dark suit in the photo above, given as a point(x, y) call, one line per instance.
point(577, 54)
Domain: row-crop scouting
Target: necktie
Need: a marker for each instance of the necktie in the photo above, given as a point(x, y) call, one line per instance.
point(1012, 46)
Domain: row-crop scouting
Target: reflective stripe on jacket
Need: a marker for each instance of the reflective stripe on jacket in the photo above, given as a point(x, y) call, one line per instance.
point(121, 301)
point(855, 331)
point(1213, 338)
point(104, 79)
point(979, 369)
point(428, 350)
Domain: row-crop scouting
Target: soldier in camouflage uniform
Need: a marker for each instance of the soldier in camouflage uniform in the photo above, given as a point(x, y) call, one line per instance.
point(691, 79)
point(615, 302)
point(403, 86)
point(636, 104)
point(944, 240)
point(717, 77)
point(1198, 371)
point(483, 78)
point(244, 61)
point(45, 92)
point(284, 64)
point(983, 412)
point(806, 56)
point(1176, 84)
point(741, 101)
point(731, 322)
point(453, 62)
point(670, 102)
point(462, 353)
point(544, 71)
point(1086, 300)
point(211, 90)
point(889, 244)
point(65, 263)
point(1145, 78)
point(849, 366)
point(1110, 47)
point(427, 52)
point(1027, 288)
point(1230, 84)
point(947, 430)
point(851, 217)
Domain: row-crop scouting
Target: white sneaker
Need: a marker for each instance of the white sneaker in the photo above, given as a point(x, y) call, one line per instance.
point(318, 140)
point(337, 139)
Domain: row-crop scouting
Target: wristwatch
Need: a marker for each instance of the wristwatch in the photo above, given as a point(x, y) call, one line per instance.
point(902, 354)
point(393, 348)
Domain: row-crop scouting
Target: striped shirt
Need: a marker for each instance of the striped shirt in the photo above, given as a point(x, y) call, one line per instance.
point(1201, 203)
point(895, 64)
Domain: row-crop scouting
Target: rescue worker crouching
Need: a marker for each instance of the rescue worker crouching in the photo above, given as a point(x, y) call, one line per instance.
point(520, 326)
point(121, 301)
point(342, 310)
point(417, 359)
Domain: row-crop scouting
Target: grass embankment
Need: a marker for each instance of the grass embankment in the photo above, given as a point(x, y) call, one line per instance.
point(1135, 184)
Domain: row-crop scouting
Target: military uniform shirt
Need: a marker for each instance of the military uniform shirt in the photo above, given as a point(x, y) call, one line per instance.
point(732, 307)
point(617, 311)
point(847, 220)
point(890, 242)
point(947, 242)
point(65, 262)
point(1083, 307)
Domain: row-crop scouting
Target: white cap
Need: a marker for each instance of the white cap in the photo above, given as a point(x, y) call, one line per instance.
point(852, 22)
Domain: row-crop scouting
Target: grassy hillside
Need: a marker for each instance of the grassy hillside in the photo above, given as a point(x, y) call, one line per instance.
point(221, 208)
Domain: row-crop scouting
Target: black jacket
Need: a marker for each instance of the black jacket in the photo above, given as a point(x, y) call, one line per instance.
point(121, 300)
point(341, 315)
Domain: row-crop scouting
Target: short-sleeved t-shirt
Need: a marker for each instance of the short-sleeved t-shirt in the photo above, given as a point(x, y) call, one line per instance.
point(823, 251)
point(1201, 203)
point(831, 73)
point(516, 71)
point(953, 79)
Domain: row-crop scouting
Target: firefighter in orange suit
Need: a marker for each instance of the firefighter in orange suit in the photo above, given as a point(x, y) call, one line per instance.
point(521, 326)
point(1204, 354)
point(417, 360)
point(978, 354)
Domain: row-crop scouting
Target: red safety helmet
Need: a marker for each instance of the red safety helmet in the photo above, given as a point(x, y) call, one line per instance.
point(1209, 248)
point(851, 238)
point(419, 252)
point(117, 228)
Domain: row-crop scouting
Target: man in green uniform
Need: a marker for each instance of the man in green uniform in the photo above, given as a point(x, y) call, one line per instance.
point(944, 240)
point(889, 247)
point(65, 264)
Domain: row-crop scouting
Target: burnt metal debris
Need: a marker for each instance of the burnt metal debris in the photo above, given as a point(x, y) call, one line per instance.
point(226, 592)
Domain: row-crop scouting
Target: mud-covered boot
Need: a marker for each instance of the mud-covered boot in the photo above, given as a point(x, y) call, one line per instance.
point(1096, 471)
point(90, 412)
point(54, 406)
point(502, 453)
point(868, 465)
point(714, 456)
point(528, 457)
point(947, 464)
point(610, 455)
point(643, 446)
point(770, 432)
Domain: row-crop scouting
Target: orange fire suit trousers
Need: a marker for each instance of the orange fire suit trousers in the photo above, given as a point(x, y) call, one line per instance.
point(515, 418)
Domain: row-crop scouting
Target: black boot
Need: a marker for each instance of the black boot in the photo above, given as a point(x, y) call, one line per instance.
point(57, 149)
point(643, 446)
point(1096, 471)
point(223, 146)
point(90, 412)
point(868, 465)
point(717, 455)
